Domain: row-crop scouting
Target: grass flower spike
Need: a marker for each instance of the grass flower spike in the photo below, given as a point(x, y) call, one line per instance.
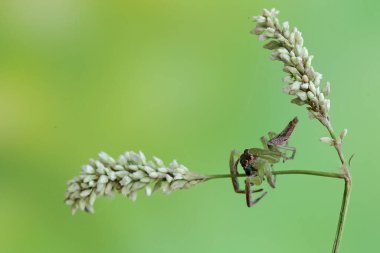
point(302, 81)
point(130, 173)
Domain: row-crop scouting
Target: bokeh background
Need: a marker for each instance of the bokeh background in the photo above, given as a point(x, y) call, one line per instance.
point(184, 80)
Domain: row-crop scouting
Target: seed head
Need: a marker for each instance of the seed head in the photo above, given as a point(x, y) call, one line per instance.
point(287, 46)
point(126, 175)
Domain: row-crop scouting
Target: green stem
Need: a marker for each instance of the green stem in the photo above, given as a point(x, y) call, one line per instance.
point(309, 172)
point(347, 186)
point(287, 172)
point(342, 215)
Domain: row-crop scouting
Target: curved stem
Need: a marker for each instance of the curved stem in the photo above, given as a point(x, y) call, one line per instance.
point(311, 173)
point(287, 172)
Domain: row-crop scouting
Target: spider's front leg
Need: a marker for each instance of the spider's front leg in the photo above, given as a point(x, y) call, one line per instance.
point(234, 172)
point(249, 193)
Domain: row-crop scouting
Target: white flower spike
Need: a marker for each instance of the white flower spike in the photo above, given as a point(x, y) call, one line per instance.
point(130, 173)
point(287, 46)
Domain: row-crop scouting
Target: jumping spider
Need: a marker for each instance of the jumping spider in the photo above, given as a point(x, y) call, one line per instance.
point(258, 163)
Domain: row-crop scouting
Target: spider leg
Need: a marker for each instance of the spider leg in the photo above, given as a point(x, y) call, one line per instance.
point(292, 149)
point(249, 194)
point(264, 140)
point(272, 134)
point(234, 172)
point(271, 178)
point(272, 156)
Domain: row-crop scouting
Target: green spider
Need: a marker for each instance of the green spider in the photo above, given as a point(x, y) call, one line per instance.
point(258, 163)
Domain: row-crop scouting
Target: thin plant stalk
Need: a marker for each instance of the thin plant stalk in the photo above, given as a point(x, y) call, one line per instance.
point(287, 172)
point(347, 187)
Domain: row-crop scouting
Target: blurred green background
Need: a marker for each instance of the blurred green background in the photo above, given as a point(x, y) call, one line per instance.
point(184, 80)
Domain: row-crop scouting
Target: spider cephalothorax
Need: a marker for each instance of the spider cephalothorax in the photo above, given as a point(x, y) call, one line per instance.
point(247, 162)
point(258, 162)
